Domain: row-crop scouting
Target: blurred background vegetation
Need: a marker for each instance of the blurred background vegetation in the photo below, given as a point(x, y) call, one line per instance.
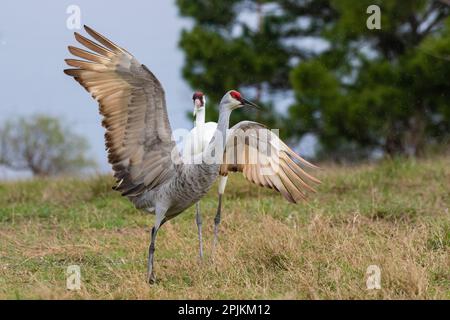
point(361, 93)
point(44, 146)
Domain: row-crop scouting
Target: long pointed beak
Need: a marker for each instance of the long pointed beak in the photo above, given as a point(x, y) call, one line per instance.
point(246, 102)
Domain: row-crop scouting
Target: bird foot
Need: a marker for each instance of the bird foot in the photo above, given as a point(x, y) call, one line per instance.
point(151, 279)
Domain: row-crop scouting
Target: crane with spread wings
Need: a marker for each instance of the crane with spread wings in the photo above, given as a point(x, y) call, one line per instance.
point(145, 160)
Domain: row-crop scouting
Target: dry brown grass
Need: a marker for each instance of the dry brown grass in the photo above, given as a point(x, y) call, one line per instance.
point(394, 215)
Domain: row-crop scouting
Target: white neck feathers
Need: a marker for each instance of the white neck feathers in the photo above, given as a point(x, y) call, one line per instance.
point(200, 117)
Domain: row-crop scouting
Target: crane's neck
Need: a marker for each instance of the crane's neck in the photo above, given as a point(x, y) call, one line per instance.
point(199, 125)
point(222, 125)
point(216, 146)
point(200, 117)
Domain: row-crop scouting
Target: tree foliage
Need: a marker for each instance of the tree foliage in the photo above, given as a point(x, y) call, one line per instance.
point(42, 145)
point(357, 90)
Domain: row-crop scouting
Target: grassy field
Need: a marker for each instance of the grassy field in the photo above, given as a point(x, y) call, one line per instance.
point(394, 215)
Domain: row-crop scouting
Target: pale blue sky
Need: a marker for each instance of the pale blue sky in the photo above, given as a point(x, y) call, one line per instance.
point(33, 46)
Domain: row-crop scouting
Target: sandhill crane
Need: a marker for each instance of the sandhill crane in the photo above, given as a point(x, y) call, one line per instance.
point(200, 137)
point(144, 158)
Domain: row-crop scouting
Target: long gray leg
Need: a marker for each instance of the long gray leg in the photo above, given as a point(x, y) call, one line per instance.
point(222, 184)
point(217, 222)
point(198, 219)
point(151, 279)
point(151, 251)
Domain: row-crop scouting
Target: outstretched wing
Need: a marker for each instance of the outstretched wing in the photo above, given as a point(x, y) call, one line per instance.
point(266, 161)
point(133, 105)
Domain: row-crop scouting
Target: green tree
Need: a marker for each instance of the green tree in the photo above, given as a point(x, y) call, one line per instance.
point(364, 90)
point(377, 89)
point(42, 145)
point(224, 52)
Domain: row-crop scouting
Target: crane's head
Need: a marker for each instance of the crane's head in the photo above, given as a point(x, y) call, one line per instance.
point(199, 101)
point(234, 100)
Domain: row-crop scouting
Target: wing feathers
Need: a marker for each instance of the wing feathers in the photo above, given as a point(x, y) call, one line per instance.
point(132, 102)
point(274, 168)
point(88, 55)
point(86, 65)
point(106, 42)
point(93, 46)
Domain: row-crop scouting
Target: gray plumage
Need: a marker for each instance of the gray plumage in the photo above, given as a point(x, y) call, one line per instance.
point(144, 159)
point(138, 138)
